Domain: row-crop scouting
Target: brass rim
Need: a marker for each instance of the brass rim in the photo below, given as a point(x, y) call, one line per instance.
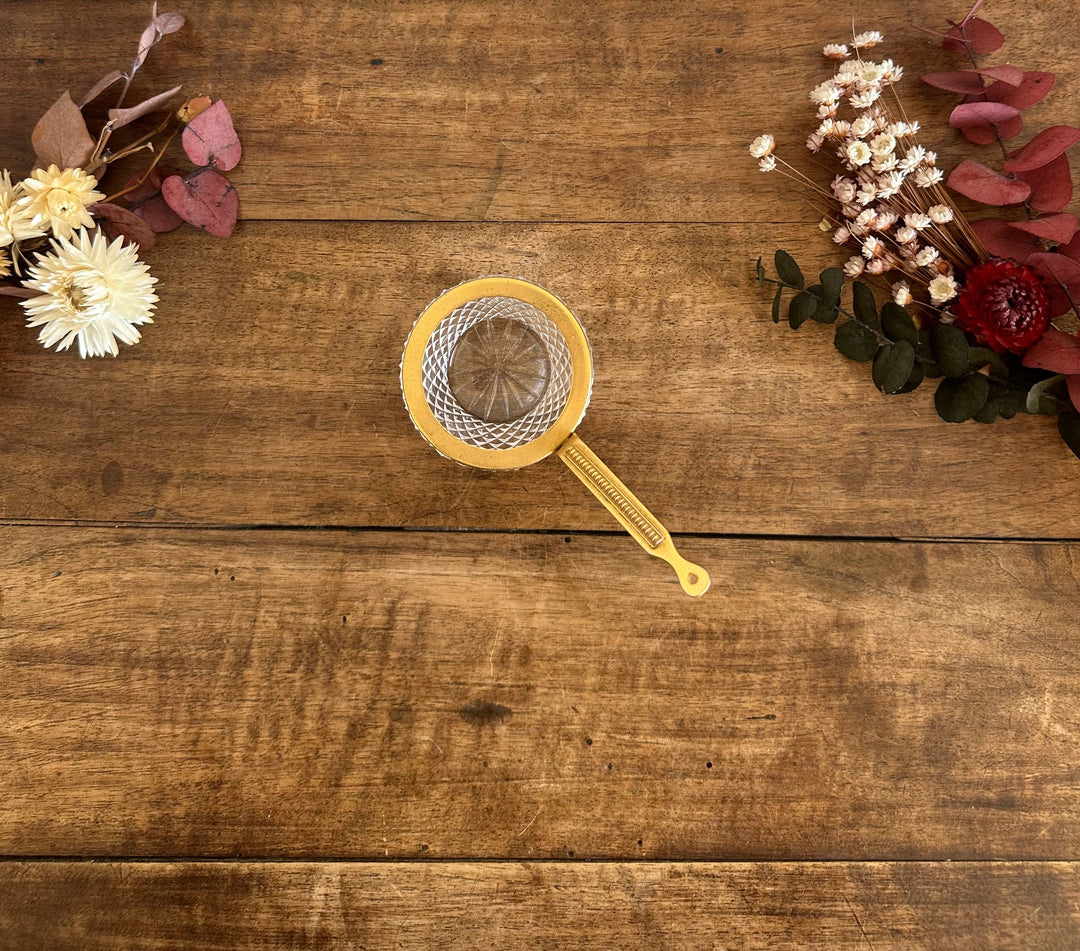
point(580, 381)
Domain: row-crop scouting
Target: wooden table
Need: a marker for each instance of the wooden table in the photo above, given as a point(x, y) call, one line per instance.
point(273, 674)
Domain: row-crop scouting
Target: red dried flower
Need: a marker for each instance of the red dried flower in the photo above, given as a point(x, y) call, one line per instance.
point(1004, 304)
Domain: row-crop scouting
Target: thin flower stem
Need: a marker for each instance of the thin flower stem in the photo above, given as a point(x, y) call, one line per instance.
point(146, 174)
point(140, 142)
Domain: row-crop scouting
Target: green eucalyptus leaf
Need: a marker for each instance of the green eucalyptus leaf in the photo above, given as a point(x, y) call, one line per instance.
point(1069, 427)
point(826, 313)
point(787, 269)
point(981, 356)
point(896, 323)
point(915, 378)
point(832, 281)
point(1010, 403)
point(802, 307)
point(959, 399)
point(951, 349)
point(855, 341)
point(864, 305)
point(893, 365)
point(776, 304)
point(1038, 402)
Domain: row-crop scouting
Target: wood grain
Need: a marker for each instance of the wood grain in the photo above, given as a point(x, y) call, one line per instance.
point(239, 906)
point(623, 110)
point(403, 695)
point(267, 393)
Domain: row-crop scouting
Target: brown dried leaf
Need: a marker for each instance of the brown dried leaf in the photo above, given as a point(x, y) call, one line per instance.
point(119, 118)
point(119, 222)
point(61, 138)
point(100, 86)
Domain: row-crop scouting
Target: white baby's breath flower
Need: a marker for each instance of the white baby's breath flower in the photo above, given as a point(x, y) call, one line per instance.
point(871, 247)
point(857, 153)
point(883, 144)
point(854, 266)
point(16, 222)
point(835, 51)
point(862, 127)
point(905, 235)
point(917, 220)
point(927, 177)
point(768, 163)
point(57, 199)
point(927, 256)
point(864, 41)
point(942, 289)
point(901, 293)
point(762, 146)
point(940, 214)
point(91, 291)
point(865, 98)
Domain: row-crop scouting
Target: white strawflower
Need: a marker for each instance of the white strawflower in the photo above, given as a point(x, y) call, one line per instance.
point(862, 127)
point(826, 93)
point(891, 72)
point(905, 235)
point(865, 98)
point(885, 163)
point(865, 41)
point(843, 188)
point(854, 266)
point(914, 157)
point(841, 127)
point(883, 144)
point(888, 183)
point(815, 142)
point(940, 214)
point(16, 223)
point(768, 163)
point(901, 293)
point(835, 51)
point(762, 146)
point(57, 200)
point(5, 270)
point(865, 218)
point(91, 291)
point(942, 288)
point(927, 177)
point(868, 74)
point(827, 110)
point(876, 266)
point(868, 191)
point(927, 256)
point(911, 128)
point(884, 220)
point(857, 153)
point(841, 235)
point(931, 158)
point(870, 247)
point(917, 220)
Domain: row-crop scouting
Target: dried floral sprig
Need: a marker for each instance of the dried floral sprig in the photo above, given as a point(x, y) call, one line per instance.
point(970, 304)
point(85, 285)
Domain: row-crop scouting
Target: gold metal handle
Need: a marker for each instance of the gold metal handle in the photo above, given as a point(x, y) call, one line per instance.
point(631, 514)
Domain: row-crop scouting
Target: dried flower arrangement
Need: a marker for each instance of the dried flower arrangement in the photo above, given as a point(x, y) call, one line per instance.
point(987, 307)
point(89, 286)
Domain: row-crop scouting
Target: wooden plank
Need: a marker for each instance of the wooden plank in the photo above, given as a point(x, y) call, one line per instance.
point(623, 110)
point(238, 905)
point(370, 695)
point(267, 392)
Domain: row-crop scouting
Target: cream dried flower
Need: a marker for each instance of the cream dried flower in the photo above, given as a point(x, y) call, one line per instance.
point(16, 224)
point(864, 41)
point(901, 293)
point(841, 235)
point(917, 220)
point(927, 177)
point(5, 269)
point(91, 291)
point(57, 200)
point(854, 266)
point(866, 98)
point(940, 214)
point(826, 93)
point(942, 289)
point(876, 266)
point(871, 247)
point(762, 146)
point(815, 142)
point(905, 235)
point(927, 256)
point(768, 163)
point(857, 153)
point(883, 144)
point(835, 51)
point(862, 127)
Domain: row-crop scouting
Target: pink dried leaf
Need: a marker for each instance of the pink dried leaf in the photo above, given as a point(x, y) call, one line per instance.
point(1002, 240)
point(1056, 351)
point(100, 86)
point(1055, 268)
point(1051, 185)
point(986, 133)
point(118, 118)
point(208, 200)
point(119, 222)
point(160, 25)
point(1043, 149)
point(1033, 89)
point(972, 113)
point(1008, 74)
point(61, 138)
point(1073, 385)
point(147, 202)
point(977, 35)
point(210, 138)
point(965, 81)
point(167, 23)
point(1059, 228)
point(985, 185)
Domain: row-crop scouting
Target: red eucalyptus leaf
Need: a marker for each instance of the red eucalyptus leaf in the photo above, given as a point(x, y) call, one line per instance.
point(965, 81)
point(1056, 351)
point(1072, 249)
point(119, 222)
point(1051, 185)
point(968, 113)
point(1060, 228)
point(155, 211)
point(61, 138)
point(985, 185)
point(978, 36)
point(210, 138)
point(100, 86)
point(1009, 74)
point(1073, 384)
point(1032, 90)
point(122, 117)
point(1043, 149)
point(208, 200)
point(1054, 267)
point(986, 134)
point(1002, 240)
